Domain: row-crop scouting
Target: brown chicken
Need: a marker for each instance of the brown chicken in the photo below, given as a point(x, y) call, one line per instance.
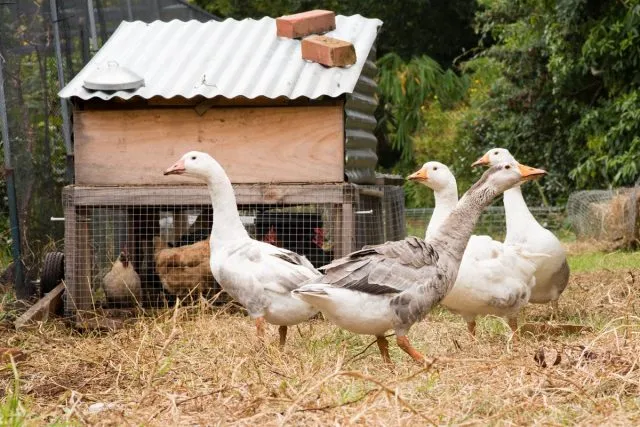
point(184, 269)
point(122, 283)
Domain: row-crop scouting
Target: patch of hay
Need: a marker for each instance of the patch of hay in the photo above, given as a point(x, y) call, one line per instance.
point(202, 365)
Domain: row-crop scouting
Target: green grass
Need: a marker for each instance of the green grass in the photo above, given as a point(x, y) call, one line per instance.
point(594, 261)
point(12, 413)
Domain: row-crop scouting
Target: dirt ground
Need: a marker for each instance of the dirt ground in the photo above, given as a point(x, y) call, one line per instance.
point(202, 365)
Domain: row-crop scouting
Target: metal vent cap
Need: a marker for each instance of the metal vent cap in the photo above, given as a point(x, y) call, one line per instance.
point(113, 77)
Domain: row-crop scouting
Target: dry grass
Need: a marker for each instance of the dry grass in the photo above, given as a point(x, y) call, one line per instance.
point(202, 365)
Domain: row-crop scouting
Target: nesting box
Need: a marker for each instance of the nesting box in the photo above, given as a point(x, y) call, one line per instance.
point(295, 137)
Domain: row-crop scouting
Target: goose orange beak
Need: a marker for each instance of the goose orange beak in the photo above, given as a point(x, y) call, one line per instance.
point(482, 161)
point(176, 169)
point(419, 176)
point(528, 173)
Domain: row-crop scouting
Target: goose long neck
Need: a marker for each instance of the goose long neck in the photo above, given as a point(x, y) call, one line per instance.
point(446, 200)
point(518, 216)
point(226, 220)
point(454, 233)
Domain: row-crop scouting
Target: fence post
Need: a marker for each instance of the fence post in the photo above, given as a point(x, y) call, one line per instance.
point(21, 290)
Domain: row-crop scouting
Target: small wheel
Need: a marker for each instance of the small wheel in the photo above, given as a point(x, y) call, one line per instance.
point(52, 272)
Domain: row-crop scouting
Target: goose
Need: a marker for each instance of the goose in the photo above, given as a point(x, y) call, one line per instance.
point(439, 178)
point(493, 279)
point(552, 272)
point(395, 284)
point(258, 275)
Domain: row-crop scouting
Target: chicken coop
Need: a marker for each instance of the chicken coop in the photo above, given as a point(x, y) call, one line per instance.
point(295, 136)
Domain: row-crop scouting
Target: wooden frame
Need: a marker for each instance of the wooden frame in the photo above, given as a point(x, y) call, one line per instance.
point(282, 144)
point(78, 256)
point(78, 200)
point(198, 194)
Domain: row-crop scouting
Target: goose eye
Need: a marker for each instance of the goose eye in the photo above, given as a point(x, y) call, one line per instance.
point(193, 157)
point(435, 168)
point(507, 167)
point(496, 153)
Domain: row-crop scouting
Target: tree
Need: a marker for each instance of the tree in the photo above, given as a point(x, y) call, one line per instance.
point(568, 94)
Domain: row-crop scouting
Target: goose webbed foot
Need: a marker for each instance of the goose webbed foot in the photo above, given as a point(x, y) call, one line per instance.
point(383, 345)
point(405, 345)
point(282, 330)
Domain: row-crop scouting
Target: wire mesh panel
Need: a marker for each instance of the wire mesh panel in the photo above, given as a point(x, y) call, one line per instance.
point(610, 215)
point(492, 221)
point(145, 246)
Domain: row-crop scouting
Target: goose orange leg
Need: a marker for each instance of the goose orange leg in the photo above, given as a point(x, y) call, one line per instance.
point(282, 330)
point(383, 345)
point(260, 327)
point(404, 344)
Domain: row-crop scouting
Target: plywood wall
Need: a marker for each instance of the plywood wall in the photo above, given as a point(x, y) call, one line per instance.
point(257, 144)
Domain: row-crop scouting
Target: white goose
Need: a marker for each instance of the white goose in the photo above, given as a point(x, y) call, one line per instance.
point(258, 275)
point(552, 273)
point(439, 178)
point(394, 285)
point(493, 279)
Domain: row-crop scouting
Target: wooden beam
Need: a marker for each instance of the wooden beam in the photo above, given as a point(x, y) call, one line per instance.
point(44, 309)
point(78, 258)
point(199, 194)
point(70, 247)
point(218, 101)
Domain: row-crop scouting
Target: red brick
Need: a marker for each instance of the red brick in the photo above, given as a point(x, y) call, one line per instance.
point(328, 51)
point(305, 23)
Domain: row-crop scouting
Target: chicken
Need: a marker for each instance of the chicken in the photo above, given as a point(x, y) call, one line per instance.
point(122, 283)
point(300, 233)
point(183, 269)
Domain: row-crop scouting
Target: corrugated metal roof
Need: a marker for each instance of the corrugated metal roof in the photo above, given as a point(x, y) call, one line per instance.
point(229, 58)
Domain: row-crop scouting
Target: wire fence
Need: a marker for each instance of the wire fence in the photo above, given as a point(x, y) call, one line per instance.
point(492, 222)
point(609, 215)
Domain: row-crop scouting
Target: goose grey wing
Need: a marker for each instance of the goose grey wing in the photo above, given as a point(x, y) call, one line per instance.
point(392, 267)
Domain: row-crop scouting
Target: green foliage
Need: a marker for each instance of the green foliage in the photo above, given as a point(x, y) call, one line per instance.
point(12, 413)
point(568, 97)
point(406, 89)
point(448, 134)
